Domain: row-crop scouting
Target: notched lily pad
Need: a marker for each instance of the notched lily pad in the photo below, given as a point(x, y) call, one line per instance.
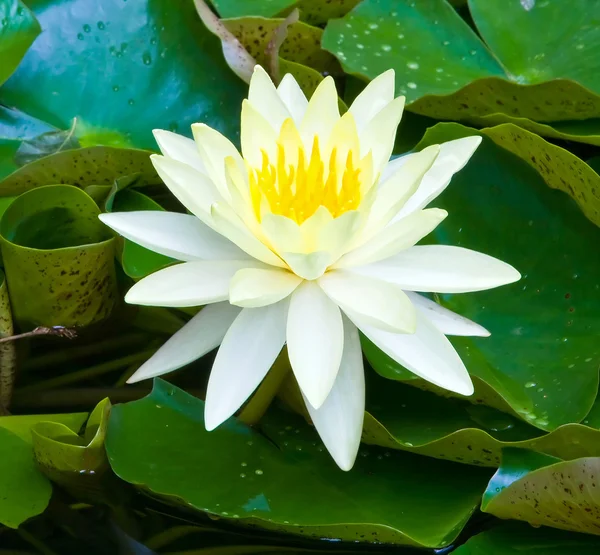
point(272, 482)
point(59, 258)
point(544, 490)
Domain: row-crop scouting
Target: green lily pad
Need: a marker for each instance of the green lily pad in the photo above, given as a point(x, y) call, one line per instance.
point(558, 167)
point(447, 72)
point(515, 538)
point(21, 425)
point(138, 261)
point(18, 29)
point(544, 490)
point(542, 357)
point(25, 491)
point(77, 463)
point(59, 259)
point(400, 417)
point(159, 443)
point(302, 44)
point(147, 66)
point(82, 167)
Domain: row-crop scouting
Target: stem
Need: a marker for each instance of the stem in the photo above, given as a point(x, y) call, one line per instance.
point(58, 331)
point(260, 401)
point(87, 373)
point(63, 355)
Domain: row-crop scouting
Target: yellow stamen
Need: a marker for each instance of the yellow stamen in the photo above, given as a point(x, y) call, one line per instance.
point(297, 191)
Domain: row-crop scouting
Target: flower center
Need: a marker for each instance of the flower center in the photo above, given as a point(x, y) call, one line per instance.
point(296, 190)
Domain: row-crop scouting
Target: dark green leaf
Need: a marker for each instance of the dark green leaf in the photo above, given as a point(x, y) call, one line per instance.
point(542, 357)
point(25, 492)
point(516, 539)
point(147, 65)
point(286, 482)
point(59, 258)
point(18, 29)
point(446, 71)
point(400, 417)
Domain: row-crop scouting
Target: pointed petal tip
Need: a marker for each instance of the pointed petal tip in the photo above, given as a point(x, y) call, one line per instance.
point(213, 417)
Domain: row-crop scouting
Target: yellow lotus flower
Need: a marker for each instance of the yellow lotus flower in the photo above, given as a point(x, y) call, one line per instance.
point(304, 239)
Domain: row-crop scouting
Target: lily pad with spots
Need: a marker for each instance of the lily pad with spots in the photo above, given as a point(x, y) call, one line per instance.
point(58, 258)
point(302, 44)
point(544, 490)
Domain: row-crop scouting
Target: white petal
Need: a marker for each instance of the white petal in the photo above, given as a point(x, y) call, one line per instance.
point(452, 158)
point(448, 322)
point(339, 420)
point(315, 338)
point(264, 97)
point(227, 223)
point(380, 133)
point(375, 96)
point(255, 287)
point(187, 284)
point(308, 266)
point(321, 114)
point(396, 237)
point(200, 335)
point(395, 191)
point(376, 302)
point(179, 148)
point(442, 269)
point(257, 135)
point(193, 189)
point(214, 148)
point(427, 353)
point(292, 96)
point(248, 351)
point(180, 236)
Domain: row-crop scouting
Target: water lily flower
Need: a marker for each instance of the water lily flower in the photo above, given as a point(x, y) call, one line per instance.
point(305, 238)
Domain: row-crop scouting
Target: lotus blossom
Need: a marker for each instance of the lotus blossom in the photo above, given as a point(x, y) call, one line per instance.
point(305, 238)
